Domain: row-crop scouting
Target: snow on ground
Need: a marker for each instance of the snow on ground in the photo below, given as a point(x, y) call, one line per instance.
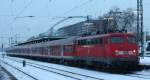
point(44, 75)
point(18, 75)
point(144, 72)
point(4, 75)
point(145, 61)
point(39, 74)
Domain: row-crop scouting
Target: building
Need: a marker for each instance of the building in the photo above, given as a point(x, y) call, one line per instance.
point(84, 27)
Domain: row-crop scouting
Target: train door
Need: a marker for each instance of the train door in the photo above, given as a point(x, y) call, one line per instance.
point(61, 51)
point(48, 50)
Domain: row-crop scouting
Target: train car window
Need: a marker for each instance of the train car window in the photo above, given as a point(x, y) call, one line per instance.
point(117, 39)
point(96, 41)
point(84, 42)
point(92, 41)
point(131, 40)
point(79, 42)
point(68, 49)
point(100, 41)
point(88, 41)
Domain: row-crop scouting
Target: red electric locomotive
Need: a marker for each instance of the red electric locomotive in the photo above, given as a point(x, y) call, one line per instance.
point(109, 49)
point(114, 49)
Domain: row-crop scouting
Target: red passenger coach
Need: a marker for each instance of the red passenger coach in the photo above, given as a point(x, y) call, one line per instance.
point(114, 49)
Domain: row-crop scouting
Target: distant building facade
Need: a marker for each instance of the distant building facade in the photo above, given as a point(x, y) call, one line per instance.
point(85, 27)
point(92, 27)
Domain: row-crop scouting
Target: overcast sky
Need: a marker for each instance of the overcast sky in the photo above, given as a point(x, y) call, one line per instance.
point(14, 24)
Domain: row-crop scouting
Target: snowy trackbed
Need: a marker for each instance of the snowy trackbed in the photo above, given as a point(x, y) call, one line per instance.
point(70, 74)
point(26, 74)
point(142, 72)
point(50, 71)
point(138, 75)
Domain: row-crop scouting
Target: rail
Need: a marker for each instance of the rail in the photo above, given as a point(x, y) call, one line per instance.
point(60, 71)
point(19, 70)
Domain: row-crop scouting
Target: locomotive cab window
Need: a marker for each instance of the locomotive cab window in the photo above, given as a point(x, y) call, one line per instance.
point(117, 39)
point(131, 40)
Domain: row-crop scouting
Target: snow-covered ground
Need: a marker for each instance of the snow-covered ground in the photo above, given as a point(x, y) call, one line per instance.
point(145, 61)
point(45, 75)
point(4, 75)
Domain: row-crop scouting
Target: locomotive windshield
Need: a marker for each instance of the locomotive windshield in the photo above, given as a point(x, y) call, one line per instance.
point(131, 40)
point(117, 39)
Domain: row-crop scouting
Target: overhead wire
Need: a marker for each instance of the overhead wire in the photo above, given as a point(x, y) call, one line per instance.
point(25, 7)
point(15, 17)
point(76, 7)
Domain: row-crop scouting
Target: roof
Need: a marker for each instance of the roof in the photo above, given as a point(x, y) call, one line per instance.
point(39, 40)
point(68, 41)
point(104, 35)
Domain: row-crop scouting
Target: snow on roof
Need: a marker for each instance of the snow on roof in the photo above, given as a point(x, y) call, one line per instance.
point(103, 35)
point(68, 41)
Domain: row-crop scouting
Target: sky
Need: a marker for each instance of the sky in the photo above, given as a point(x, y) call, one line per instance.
point(15, 24)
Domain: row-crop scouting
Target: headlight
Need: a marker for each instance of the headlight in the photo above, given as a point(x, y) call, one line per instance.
point(134, 51)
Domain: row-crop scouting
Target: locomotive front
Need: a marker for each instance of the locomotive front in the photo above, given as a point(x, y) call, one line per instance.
point(123, 49)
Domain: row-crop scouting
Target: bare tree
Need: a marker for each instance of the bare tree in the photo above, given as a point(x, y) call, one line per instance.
point(123, 20)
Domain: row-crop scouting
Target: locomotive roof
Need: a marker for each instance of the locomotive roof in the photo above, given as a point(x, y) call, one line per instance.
point(104, 35)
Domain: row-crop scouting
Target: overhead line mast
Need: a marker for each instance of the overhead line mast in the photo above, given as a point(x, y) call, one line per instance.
point(140, 25)
point(138, 10)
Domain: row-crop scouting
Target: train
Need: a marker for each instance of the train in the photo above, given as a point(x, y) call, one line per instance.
point(147, 51)
point(112, 49)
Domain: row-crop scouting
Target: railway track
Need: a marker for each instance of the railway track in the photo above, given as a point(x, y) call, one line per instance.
point(70, 74)
point(80, 76)
point(139, 74)
point(142, 76)
point(32, 77)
